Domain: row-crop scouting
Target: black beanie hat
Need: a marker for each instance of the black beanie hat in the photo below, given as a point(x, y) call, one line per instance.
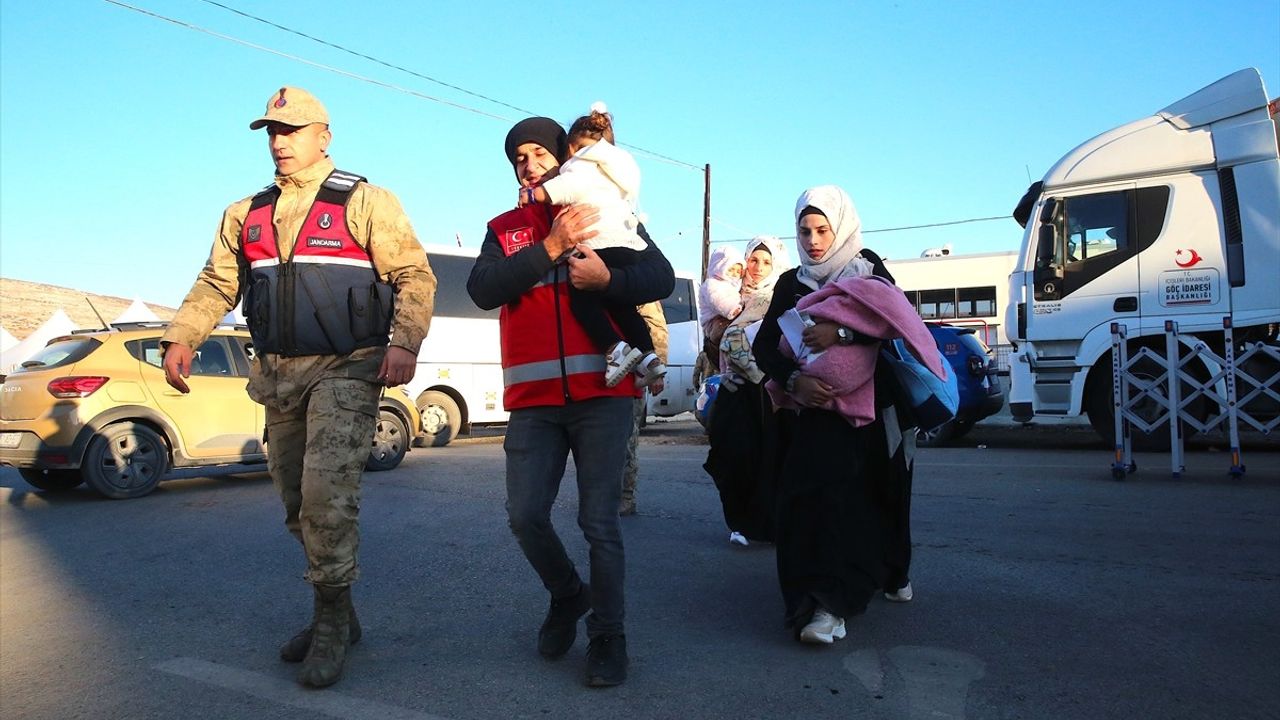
point(541, 130)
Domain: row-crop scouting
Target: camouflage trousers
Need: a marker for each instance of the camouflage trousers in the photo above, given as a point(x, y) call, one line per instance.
point(632, 467)
point(316, 454)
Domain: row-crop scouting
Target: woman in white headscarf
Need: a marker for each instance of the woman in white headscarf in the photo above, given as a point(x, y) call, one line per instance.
point(841, 489)
point(743, 432)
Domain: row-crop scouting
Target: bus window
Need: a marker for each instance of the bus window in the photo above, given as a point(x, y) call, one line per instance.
point(678, 306)
point(452, 299)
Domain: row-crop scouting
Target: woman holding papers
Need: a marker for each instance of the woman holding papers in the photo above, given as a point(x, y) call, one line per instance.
point(844, 487)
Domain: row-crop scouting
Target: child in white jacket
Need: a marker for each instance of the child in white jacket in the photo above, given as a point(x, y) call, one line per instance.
point(720, 295)
point(601, 174)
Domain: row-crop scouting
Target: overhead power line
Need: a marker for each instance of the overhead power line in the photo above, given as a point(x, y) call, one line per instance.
point(305, 61)
point(355, 53)
point(892, 229)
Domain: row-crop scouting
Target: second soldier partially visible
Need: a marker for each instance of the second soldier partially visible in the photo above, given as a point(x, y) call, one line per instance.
point(338, 296)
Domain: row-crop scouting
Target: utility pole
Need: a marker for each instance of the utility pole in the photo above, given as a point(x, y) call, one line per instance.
point(706, 220)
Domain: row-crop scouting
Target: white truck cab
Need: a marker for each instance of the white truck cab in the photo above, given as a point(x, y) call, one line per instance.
point(1175, 216)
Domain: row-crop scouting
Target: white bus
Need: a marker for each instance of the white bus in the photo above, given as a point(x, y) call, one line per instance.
point(459, 378)
point(683, 345)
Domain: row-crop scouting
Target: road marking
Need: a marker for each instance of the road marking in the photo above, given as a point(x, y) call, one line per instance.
point(937, 680)
point(324, 702)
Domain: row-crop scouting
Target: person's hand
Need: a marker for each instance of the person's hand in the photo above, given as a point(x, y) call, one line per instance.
point(572, 226)
point(587, 271)
point(177, 365)
point(398, 366)
point(820, 336)
point(812, 392)
point(730, 382)
point(522, 198)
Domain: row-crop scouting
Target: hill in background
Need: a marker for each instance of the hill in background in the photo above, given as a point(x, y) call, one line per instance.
point(25, 305)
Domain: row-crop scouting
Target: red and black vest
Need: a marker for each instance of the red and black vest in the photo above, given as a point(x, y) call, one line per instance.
point(326, 298)
point(547, 357)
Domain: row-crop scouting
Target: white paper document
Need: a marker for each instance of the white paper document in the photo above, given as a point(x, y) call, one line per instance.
point(792, 323)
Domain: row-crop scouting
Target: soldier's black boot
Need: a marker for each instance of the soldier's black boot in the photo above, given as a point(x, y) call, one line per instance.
point(330, 637)
point(295, 648)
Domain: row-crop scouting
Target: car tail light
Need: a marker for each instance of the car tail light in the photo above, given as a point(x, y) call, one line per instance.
point(977, 365)
point(76, 387)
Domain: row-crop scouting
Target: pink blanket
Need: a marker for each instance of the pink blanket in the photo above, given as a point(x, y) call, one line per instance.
point(872, 306)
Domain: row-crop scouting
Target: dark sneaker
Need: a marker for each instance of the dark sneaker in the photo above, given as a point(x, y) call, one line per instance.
point(607, 660)
point(560, 629)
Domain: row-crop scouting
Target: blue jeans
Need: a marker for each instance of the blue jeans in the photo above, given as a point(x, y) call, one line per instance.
point(538, 444)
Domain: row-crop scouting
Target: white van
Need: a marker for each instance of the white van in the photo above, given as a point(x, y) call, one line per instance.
point(459, 378)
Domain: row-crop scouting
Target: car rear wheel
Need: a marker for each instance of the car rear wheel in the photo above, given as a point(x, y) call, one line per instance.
point(441, 417)
point(390, 442)
point(125, 460)
point(51, 480)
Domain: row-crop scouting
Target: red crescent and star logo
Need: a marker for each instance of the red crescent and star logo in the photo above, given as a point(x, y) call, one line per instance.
point(1186, 258)
point(519, 239)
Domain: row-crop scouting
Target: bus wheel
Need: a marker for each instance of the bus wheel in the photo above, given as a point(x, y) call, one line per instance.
point(441, 417)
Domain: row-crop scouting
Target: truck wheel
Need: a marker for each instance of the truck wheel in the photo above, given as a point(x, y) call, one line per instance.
point(1098, 406)
point(51, 480)
point(125, 460)
point(390, 442)
point(441, 417)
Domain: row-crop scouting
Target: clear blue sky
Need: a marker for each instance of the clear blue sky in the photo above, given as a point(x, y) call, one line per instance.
point(123, 137)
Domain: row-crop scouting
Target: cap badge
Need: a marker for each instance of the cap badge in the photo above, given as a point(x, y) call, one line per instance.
point(281, 102)
point(326, 221)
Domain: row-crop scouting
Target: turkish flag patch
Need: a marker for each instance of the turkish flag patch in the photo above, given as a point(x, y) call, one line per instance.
point(516, 240)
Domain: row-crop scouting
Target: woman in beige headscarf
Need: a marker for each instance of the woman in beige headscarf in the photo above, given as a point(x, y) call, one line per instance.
point(743, 432)
point(843, 491)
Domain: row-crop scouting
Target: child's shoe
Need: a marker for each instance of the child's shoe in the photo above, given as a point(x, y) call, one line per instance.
point(649, 370)
point(620, 361)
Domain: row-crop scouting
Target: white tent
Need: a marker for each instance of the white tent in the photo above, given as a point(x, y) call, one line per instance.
point(235, 317)
point(136, 312)
point(6, 340)
point(57, 324)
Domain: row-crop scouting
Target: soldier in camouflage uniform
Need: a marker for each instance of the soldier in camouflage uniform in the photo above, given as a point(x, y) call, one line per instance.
point(323, 355)
point(657, 322)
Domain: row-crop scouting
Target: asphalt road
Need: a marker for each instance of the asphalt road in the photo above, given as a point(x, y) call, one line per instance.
point(1044, 589)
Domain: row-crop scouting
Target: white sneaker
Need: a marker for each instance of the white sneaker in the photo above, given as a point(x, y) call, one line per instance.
point(737, 538)
point(649, 370)
point(901, 595)
point(823, 629)
point(619, 363)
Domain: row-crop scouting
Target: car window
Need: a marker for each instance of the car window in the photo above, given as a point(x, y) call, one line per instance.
point(211, 358)
point(63, 352)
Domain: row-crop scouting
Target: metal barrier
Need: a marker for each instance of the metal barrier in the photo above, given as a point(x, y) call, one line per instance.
point(1132, 393)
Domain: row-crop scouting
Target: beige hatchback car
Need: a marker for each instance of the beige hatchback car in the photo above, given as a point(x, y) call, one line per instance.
point(93, 407)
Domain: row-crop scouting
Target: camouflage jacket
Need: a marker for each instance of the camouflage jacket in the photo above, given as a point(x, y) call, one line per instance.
point(377, 221)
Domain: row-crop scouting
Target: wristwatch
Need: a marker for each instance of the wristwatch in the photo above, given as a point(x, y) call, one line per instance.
point(845, 335)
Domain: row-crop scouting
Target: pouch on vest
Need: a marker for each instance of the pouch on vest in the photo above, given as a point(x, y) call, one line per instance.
point(327, 315)
point(370, 310)
point(931, 401)
point(258, 317)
